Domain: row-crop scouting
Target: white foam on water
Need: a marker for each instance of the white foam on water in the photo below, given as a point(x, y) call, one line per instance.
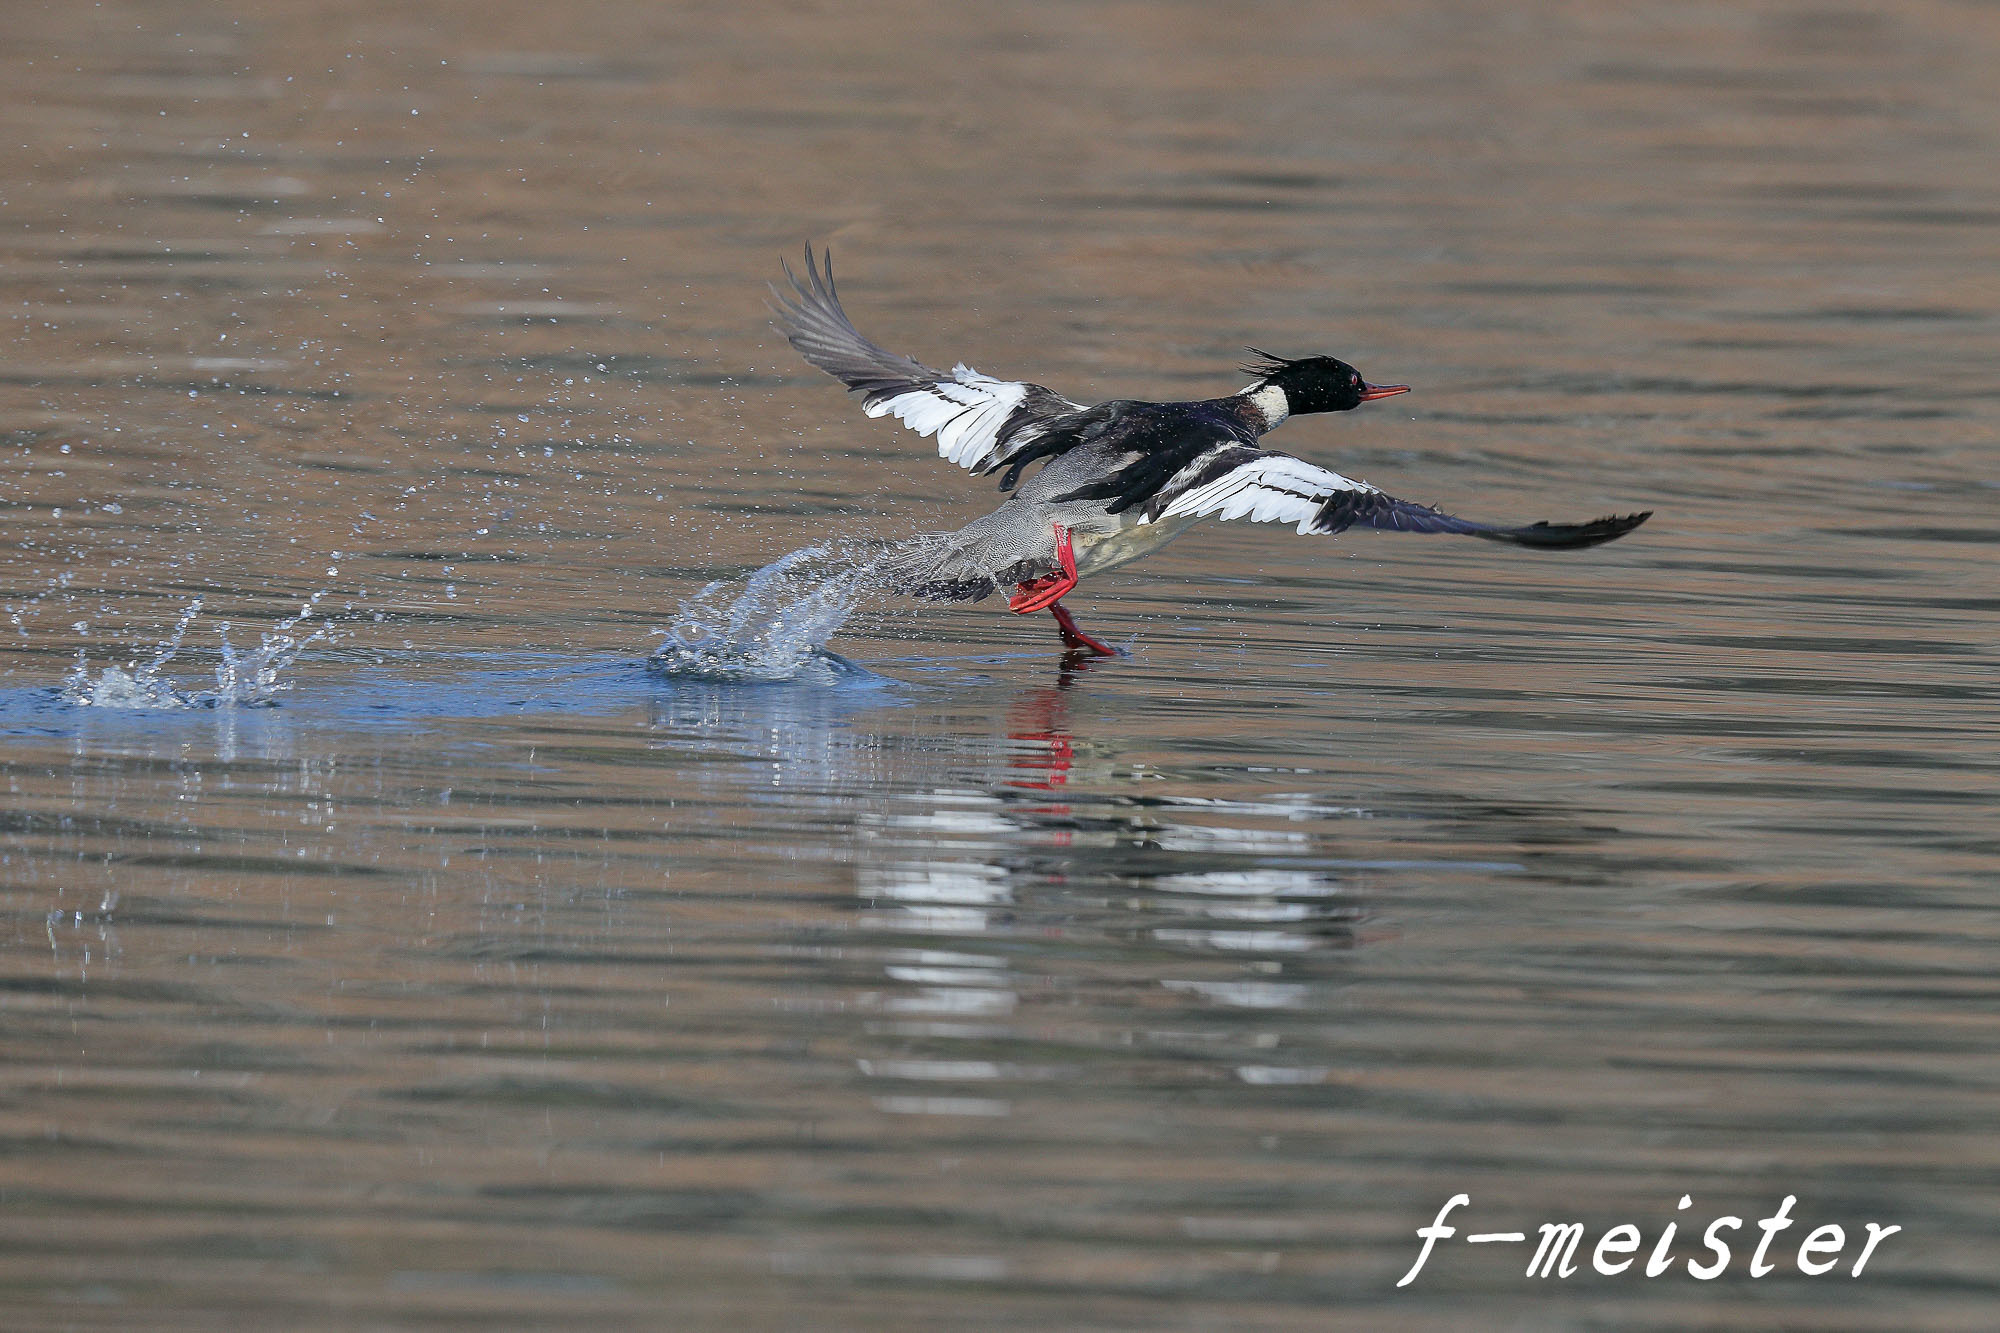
point(775, 628)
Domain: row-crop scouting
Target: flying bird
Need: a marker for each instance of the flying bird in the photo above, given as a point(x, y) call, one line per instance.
point(1121, 478)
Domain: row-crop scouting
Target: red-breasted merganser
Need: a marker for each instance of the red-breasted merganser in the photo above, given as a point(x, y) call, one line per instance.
point(1124, 478)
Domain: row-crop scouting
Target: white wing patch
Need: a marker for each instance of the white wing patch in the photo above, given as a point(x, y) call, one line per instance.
point(965, 412)
point(1270, 488)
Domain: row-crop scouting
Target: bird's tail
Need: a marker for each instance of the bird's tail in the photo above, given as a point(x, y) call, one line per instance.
point(933, 566)
point(977, 561)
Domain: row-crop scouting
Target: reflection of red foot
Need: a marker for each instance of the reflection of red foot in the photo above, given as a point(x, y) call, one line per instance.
point(1041, 752)
point(1073, 637)
point(1054, 765)
point(1047, 591)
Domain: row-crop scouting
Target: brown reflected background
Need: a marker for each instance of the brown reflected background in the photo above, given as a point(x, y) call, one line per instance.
point(490, 982)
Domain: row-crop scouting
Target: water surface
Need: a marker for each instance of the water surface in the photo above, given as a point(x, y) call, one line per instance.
point(491, 979)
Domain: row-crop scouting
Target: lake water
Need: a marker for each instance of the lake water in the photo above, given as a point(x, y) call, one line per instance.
point(491, 980)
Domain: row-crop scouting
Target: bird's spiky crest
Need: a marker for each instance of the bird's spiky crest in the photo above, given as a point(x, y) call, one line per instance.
point(1267, 364)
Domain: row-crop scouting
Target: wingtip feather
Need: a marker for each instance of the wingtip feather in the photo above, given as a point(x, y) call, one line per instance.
point(1547, 536)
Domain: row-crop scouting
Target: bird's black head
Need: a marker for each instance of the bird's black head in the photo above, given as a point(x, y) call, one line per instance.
point(1318, 383)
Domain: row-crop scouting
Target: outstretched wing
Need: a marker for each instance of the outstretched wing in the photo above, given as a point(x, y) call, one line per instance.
point(981, 423)
point(1265, 486)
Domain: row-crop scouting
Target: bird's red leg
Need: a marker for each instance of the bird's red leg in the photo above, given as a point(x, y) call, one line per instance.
point(1047, 593)
point(1074, 638)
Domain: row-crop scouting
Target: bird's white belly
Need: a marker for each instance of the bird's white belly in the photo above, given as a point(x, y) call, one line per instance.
point(1097, 552)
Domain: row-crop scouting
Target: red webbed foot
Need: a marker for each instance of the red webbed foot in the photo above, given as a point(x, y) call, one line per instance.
point(1036, 594)
point(1073, 637)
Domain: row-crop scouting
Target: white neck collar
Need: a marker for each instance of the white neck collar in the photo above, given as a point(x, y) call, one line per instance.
point(1269, 399)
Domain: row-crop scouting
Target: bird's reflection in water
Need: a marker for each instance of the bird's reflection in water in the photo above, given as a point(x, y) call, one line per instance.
point(1034, 907)
point(1024, 909)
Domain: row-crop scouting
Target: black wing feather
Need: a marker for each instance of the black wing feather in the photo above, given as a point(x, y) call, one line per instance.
point(1372, 509)
point(812, 320)
point(1174, 448)
point(989, 432)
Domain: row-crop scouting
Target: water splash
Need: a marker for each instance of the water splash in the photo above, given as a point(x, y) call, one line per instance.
point(776, 628)
point(252, 678)
point(247, 679)
point(135, 685)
